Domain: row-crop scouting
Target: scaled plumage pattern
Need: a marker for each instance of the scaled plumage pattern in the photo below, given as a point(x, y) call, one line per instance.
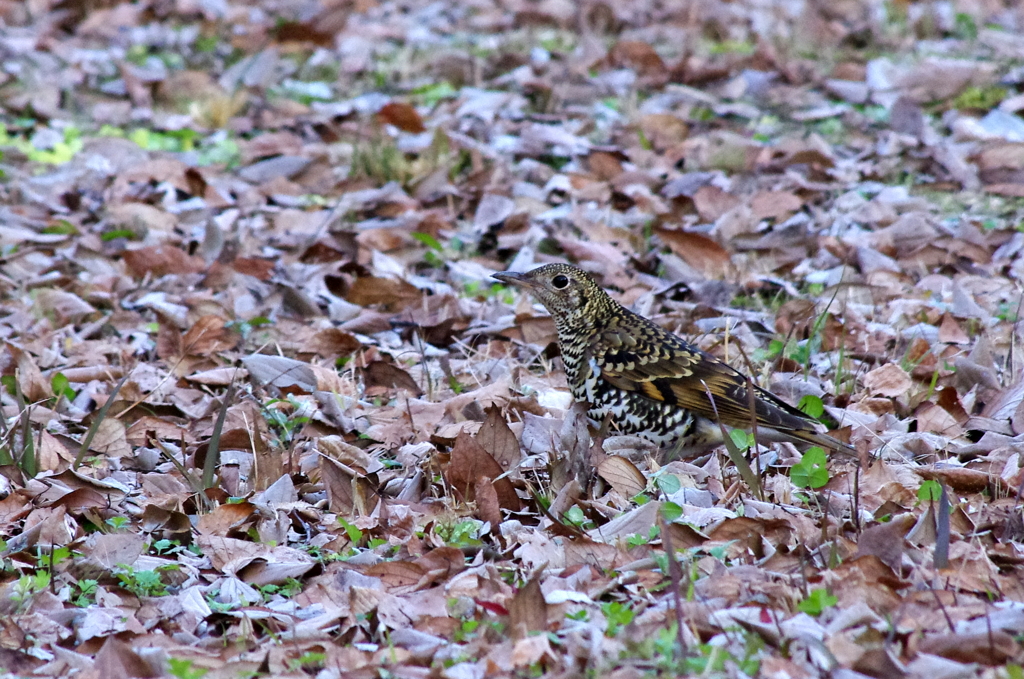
point(649, 381)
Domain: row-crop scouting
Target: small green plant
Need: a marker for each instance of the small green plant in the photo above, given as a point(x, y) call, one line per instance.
point(60, 227)
point(182, 669)
point(980, 98)
point(245, 328)
point(58, 154)
point(286, 590)
point(667, 483)
point(118, 523)
point(51, 558)
point(467, 630)
point(638, 539)
point(174, 140)
point(732, 47)
point(285, 422)
point(1007, 312)
point(812, 470)
point(143, 583)
point(219, 606)
point(434, 93)
point(61, 388)
point(85, 593)
point(29, 585)
point(310, 662)
point(671, 512)
point(166, 547)
point(464, 533)
point(816, 602)
point(224, 151)
point(930, 491)
point(20, 448)
point(618, 615)
point(381, 161)
point(744, 440)
point(964, 27)
point(812, 406)
point(355, 535)
point(575, 517)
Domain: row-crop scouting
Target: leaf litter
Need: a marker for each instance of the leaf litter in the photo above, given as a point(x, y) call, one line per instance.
point(259, 240)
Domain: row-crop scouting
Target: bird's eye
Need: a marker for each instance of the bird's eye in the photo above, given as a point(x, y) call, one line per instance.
point(560, 282)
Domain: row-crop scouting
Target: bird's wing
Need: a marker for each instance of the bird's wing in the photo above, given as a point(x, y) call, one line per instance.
point(642, 357)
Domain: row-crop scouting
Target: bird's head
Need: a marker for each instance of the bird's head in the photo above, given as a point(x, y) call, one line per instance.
point(568, 293)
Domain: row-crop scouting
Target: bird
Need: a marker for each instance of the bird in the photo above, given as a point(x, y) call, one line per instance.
point(650, 382)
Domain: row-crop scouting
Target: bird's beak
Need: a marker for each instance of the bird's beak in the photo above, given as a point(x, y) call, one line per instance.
point(514, 278)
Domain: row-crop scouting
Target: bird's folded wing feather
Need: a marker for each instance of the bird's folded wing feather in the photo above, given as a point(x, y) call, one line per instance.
point(657, 364)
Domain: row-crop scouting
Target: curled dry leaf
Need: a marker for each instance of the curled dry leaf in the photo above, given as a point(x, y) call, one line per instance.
point(387, 375)
point(228, 520)
point(348, 491)
point(622, 475)
point(403, 116)
point(959, 479)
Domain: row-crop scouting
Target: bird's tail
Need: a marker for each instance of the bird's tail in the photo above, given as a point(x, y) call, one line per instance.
point(829, 443)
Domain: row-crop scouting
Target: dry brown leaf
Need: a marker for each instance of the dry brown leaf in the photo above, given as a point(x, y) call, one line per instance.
point(933, 418)
point(387, 375)
point(399, 576)
point(334, 342)
point(777, 205)
point(951, 332)
point(637, 55)
point(15, 361)
point(885, 541)
point(888, 380)
point(68, 306)
point(487, 506)
point(528, 612)
point(281, 372)
point(117, 659)
point(111, 550)
point(699, 251)
point(403, 116)
point(226, 519)
point(498, 440)
point(994, 647)
point(663, 130)
point(161, 260)
point(208, 335)
point(260, 269)
point(110, 439)
point(470, 462)
point(348, 491)
point(605, 166)
point(392, 294)
point(712, 202)
point(622, 475)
